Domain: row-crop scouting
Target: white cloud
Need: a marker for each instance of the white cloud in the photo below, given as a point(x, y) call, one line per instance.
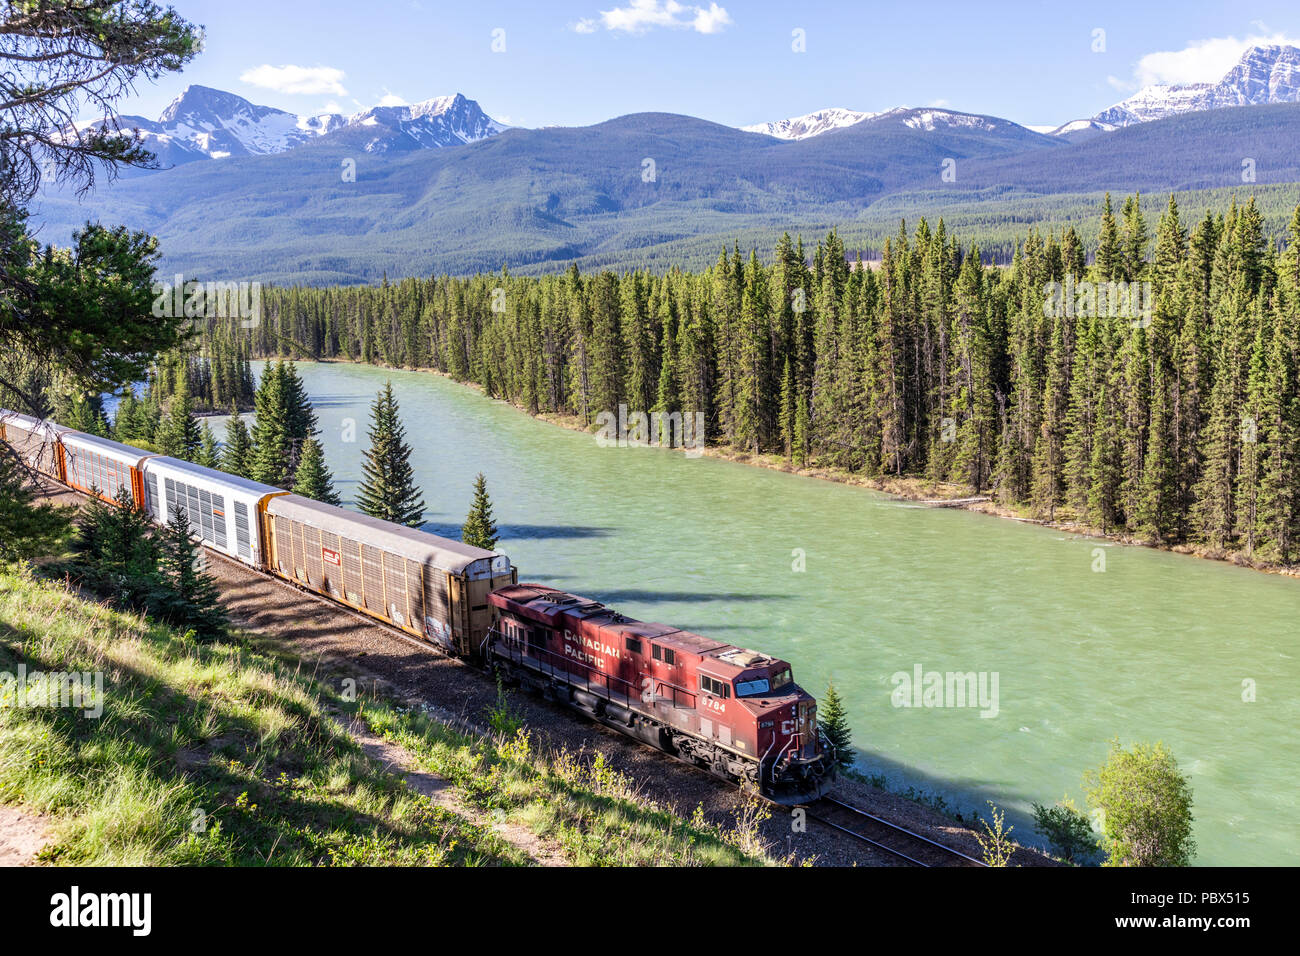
point(711, 20)
point(642, 15)
point(309, 80)
point(1204, 61)
point(392, 99)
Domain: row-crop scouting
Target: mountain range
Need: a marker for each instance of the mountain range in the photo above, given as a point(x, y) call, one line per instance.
point(1264, 74)
point(204, 123)
point(442, 187)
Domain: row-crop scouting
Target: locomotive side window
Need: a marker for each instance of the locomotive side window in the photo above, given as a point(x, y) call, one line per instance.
point(715, 687)
point(634, 645)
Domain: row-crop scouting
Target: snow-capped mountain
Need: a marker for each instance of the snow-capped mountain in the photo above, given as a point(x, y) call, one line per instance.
point(928, 119)
point(1264, 74)
point(811, 124)
point(203, 123)
point(443, 121)
point(1076, 131)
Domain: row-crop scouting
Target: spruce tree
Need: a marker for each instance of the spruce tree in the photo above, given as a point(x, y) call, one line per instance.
point(388, 490)
point(179, 434)
point(189, 596)
point(1109, 253)
point(313, 479)
point(480, 530)
point(834, 723)
point(209, 453)
point(29, 530)
point(272, 456)
point(237, 449)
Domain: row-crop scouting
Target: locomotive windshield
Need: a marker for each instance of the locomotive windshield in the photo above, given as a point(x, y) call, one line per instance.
point(758, 685)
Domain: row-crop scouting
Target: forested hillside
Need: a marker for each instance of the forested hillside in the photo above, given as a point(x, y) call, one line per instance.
point(651, 190)
point(1178, 423)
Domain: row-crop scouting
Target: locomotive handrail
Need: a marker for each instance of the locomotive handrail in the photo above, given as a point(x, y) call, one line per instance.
point(517, 651)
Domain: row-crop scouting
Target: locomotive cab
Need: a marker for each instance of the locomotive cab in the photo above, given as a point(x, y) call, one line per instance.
point(795, 758)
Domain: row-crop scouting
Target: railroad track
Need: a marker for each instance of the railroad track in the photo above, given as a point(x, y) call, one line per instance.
point(912, 848)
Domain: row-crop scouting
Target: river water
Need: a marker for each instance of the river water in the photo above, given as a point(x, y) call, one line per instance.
point(1086, 641)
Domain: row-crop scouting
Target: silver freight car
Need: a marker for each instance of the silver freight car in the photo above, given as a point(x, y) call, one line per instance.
point(223, 509)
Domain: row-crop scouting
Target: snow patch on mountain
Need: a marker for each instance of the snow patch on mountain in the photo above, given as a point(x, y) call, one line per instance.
point(810, 124)
point(1264, 74)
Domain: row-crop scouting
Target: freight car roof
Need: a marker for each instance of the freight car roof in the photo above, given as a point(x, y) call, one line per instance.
point(27, 423)
point(394, 538)
point(213, 476)
point(106, 445)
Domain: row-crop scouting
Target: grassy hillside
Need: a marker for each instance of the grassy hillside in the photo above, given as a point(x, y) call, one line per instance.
point(233, 754)
point(203, 754)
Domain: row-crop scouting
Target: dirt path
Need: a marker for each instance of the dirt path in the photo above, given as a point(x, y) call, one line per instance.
point(398, 760)
point(22, 836)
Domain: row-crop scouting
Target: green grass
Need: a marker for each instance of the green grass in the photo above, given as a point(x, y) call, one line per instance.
point(204, 754)
point(596, 814)
point(231, 753)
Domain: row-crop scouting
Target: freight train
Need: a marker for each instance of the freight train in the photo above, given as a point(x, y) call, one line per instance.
point(737, 713)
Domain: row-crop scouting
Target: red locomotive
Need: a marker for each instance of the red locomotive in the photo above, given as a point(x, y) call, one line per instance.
point(735, 712)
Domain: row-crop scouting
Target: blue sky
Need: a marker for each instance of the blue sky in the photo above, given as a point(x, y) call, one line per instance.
point(583, 61)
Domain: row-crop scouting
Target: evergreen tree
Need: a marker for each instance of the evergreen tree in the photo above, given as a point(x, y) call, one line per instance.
point(116, 551)
point(271, 461)
point(388, 490)
point(190, 595)
point(480, 530)
point(1109, 254)
point(179, 433)
point(237, 449)
point(29, 530)
point(209, 453)
point(313, 479)
point(834, 722)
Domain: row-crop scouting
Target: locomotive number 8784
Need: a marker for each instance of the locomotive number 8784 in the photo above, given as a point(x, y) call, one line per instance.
point(735, 712)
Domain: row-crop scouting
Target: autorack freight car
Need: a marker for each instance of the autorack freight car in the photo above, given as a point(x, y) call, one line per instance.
point(223, 510)
point(98, 466)
point(428, 586)
point(35, 441)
